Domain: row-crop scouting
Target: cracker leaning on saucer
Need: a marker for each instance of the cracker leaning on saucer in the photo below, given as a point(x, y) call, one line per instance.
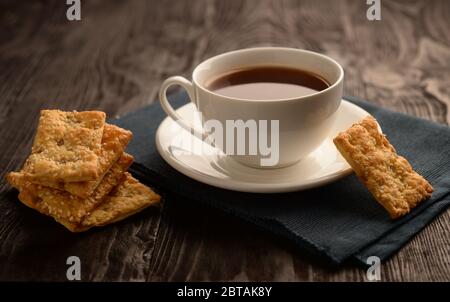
point(128, 198)
point(388, 176)
point(63, 205)
point(114, 142)
point(66, 146)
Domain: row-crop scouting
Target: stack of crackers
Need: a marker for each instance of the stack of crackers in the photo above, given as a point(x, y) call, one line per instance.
point(77, 171)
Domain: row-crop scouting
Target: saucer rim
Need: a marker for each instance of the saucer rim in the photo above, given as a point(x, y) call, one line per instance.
point(249, 187)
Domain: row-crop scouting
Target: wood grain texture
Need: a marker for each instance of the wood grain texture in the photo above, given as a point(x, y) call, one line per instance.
point(116, 57)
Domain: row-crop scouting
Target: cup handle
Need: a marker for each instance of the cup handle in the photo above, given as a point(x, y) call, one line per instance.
point(168, 109)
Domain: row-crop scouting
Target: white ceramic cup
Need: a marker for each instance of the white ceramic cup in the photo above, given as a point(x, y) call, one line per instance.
point(304, 121)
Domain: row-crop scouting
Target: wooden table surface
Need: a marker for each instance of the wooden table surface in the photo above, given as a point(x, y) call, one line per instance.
point(115, 59)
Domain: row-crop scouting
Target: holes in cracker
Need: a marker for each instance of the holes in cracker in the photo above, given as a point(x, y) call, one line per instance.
point(60, 142)
point(37, 200)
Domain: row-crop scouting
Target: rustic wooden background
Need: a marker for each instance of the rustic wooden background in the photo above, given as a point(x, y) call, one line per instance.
point(116, 57)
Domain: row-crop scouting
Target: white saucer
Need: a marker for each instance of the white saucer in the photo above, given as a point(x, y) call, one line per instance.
point(322, 166)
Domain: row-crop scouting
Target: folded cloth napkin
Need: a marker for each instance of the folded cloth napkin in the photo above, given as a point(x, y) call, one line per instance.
point(336, 222)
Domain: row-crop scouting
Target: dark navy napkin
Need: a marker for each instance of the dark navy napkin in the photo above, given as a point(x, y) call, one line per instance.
point(337, 222)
